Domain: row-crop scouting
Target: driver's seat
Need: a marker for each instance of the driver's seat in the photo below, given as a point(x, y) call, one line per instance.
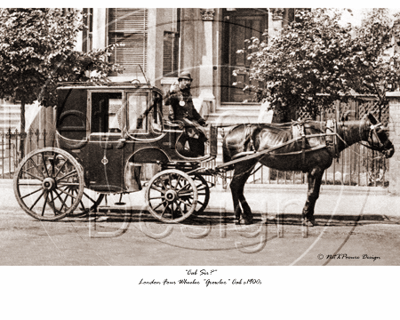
point(189, 146)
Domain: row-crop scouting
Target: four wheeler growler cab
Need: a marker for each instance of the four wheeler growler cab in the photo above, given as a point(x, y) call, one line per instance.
point(109, 139)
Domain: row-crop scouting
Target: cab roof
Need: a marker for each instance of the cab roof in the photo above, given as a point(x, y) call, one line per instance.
point(107, 85)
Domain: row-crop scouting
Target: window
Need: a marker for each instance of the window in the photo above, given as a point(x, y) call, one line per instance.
point(72, 122)
point(128, 29)
point(144, 118)
point(137, 105)
point(107, 112)
point(170, 54)
point(87, 37)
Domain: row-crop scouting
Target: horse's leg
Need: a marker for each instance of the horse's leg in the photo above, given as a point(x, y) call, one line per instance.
point(314, 184)
point(241, 173)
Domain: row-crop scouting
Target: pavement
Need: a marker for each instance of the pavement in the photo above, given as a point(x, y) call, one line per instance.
point(268, 200)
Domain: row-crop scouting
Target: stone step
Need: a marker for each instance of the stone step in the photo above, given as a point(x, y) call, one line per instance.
point(235, 113)
point(239, 108)
point(232, 118)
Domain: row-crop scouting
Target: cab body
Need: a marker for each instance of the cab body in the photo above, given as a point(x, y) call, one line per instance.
point(115, 129)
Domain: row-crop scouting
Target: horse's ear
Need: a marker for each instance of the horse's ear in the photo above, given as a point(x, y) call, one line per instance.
point(371, 118)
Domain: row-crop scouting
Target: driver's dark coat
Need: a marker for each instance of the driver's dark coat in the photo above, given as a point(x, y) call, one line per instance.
point(178, 112)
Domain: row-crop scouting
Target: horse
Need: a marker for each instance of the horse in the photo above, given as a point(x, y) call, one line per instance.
point(307, 146)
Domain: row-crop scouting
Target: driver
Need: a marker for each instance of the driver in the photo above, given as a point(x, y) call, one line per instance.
point(182, 108)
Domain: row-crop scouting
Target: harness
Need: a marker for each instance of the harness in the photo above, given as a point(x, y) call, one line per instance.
point(298, 132)
point(331, 139)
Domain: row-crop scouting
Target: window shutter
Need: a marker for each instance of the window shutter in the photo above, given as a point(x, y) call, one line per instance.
point(128, 29)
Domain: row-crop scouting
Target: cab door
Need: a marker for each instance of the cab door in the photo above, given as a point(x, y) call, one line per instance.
point(105, 158)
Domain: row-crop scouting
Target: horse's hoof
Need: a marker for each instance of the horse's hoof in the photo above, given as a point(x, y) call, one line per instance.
point(237, 222)
point(308, 223)
point(248, 222)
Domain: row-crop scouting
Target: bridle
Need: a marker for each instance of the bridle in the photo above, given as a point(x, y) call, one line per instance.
point(373, 132)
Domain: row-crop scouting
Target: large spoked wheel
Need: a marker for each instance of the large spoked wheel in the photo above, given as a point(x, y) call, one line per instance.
point(203, 193)
point(49, 184)
point(171, 196)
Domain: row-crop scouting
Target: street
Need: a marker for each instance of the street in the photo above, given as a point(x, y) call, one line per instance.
point(136, 239)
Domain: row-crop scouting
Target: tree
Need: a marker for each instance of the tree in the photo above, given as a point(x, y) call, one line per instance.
point(317, 60)
point(37, 52)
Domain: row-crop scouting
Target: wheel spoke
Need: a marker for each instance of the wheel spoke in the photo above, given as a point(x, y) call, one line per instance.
point(165, 209)
point(30, 184)
point(37, 200)
point(68, 194)
point(157, 189)
point(179, 207)
point(170, 177)
point(162, 203)
point(45, 202)
point(29, 194)
point(62, 167)
point(51, 161)
point(36, 167)
point(201, 187)
point(183, 201)
point(163, 181)
point(69, 184)
point(32, 175)
point(54, 204)
point(178, 182)
point(186, 194)
point(62, 201)
point(155, 198)
point(67, 175)
point(200, 203)
point(44, 164)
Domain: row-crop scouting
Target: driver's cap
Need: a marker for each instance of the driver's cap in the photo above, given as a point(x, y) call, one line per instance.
point(185, 75)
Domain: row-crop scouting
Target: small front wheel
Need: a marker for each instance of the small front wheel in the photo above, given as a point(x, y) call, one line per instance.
point(49, 184)
point(203, 193)
point(171, 196)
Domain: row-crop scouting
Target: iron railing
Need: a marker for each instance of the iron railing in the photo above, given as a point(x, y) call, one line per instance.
point(10, 142)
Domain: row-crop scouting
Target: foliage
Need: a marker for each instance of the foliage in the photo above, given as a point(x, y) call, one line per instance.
point(317, 60)
point(37, 52)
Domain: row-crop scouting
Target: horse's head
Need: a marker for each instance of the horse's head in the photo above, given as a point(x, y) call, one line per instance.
point(377, 137)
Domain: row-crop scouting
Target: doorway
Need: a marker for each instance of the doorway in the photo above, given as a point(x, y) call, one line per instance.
point(237, 26)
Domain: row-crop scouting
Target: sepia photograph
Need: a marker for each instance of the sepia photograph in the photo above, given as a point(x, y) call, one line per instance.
point(186, 149)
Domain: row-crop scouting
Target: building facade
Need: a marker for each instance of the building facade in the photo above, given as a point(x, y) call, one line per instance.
point(166, 41)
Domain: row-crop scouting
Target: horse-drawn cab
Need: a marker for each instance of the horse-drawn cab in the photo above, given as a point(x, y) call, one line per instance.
point(110, 138)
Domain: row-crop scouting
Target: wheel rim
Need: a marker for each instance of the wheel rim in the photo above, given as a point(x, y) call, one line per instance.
point(171, 196)
point(48, 184)
point(203, 193)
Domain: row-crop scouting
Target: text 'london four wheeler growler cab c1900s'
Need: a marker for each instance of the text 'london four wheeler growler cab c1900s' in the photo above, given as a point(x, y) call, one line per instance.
point(112, 139)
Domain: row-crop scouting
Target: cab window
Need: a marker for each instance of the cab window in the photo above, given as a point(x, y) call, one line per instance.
point(137, 106)
point(107, 111)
